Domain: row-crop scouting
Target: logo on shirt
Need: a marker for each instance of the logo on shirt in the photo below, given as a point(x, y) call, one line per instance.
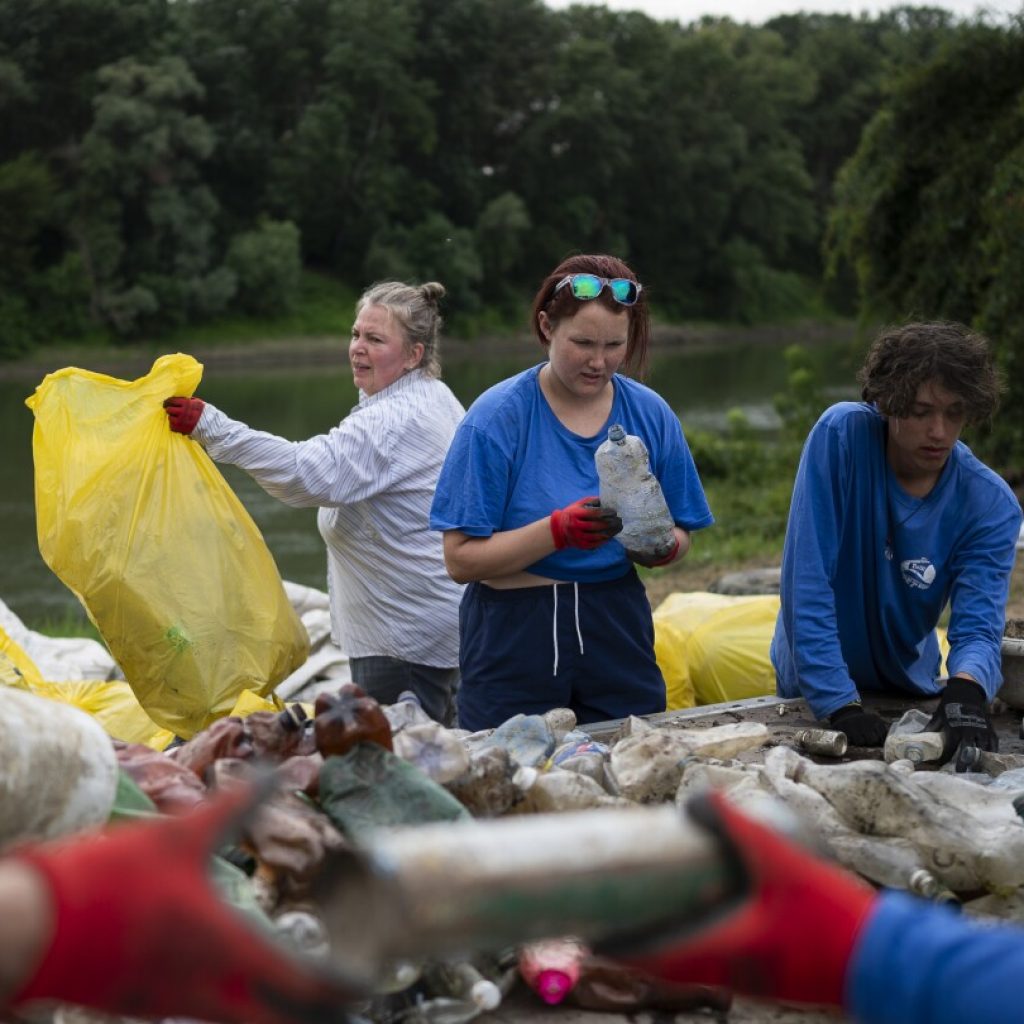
point(918, 573)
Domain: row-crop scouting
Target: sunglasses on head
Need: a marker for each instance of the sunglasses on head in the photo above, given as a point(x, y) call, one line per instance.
point(589, 286)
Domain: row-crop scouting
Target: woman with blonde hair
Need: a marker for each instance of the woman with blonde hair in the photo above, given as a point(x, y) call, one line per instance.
point(394, 609)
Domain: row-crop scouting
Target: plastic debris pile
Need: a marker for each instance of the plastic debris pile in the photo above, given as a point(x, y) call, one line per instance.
point(349, 768)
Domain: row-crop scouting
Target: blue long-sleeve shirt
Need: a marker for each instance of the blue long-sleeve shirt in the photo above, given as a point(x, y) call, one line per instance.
point(868, 568)
point(918, 963)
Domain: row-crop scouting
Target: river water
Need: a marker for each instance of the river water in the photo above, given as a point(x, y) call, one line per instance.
point(701, 383)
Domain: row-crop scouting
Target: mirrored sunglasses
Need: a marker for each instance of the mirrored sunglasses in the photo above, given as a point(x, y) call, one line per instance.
point(589, 286)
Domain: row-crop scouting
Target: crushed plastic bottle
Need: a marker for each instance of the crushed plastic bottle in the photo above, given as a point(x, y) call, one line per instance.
point(561, 722)
point(966, 851)
point(648, 764)
point(527, 738)
point(560, 790)
point(629, 487)
point(433, 749)
point(907, 739)
point(487, 788)
point(407, 710)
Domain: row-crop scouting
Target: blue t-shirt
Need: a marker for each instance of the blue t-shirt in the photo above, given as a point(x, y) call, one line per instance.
point(917, 963)
point(867, 568)
point(512, 462)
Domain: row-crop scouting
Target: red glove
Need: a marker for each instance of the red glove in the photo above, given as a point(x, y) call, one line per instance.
point(653, 561)
point(584, 524)
point(792, 932)
point(183, 413)
point(139, 932)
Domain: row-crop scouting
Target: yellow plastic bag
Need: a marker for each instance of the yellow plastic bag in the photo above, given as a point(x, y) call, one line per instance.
point(249, 702)
point(16, 667)
point(139, 523)
point(112, 704)
point(713, 648)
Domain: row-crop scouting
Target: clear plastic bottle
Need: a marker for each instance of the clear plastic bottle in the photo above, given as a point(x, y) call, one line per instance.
point(629, 487)
point(907, 739)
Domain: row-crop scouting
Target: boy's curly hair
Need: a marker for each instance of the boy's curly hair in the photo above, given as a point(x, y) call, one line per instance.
point(902, 358)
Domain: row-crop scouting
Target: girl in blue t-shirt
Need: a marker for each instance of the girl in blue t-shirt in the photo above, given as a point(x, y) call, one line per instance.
point(554, 614)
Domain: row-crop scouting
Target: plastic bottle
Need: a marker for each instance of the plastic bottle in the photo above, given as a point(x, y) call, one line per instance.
point(59, 770)
point(347, 718)
point(435, 750)
point(551, 968)
point(460, 979)
point(822, 741)
point(629, 487)
point(407, 710)
point(907, 739)
point(924, 883)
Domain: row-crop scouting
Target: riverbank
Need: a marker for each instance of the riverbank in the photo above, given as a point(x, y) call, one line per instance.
point(251, 354)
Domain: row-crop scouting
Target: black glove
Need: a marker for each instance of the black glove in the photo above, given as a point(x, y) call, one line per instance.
point(962, 717)
point(862, 728)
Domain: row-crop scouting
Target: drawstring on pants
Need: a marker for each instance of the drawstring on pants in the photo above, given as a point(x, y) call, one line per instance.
point(554, 621)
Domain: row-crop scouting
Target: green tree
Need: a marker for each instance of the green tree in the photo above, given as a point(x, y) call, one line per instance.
point(267, 265)
point(432, 250)
point(342, 175)
point(143, 218)
point(928, 209)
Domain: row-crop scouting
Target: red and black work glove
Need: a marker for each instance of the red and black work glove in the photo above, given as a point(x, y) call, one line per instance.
point(789, 935)
point(584, 524)
point(862, 728)
point(962, 718)
point(660, 557)
point(140, 932)
point(183, 413)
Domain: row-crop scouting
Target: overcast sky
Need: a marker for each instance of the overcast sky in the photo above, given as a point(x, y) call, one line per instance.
point(757, 11)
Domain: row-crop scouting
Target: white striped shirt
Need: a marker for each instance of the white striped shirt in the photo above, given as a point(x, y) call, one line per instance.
point(373, 477)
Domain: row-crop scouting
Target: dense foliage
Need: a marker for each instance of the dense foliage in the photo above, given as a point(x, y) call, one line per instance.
point(930, 211)
point(164, 163)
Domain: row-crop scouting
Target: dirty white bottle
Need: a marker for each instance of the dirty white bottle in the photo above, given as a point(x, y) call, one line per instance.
point(58, 769)
point(629, 487)
point(908, 739)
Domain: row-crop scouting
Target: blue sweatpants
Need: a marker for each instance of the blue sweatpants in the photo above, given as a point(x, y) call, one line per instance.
point(585, 646)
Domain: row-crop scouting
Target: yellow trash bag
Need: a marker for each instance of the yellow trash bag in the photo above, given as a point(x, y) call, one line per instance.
point(249, 702)
point(713, 647)
point(16, 667)
point(112, 704)
point(139, 523)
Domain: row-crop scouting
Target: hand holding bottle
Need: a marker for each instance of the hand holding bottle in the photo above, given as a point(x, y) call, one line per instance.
point(584, 524)
point(962, 717)
point(791, 934)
